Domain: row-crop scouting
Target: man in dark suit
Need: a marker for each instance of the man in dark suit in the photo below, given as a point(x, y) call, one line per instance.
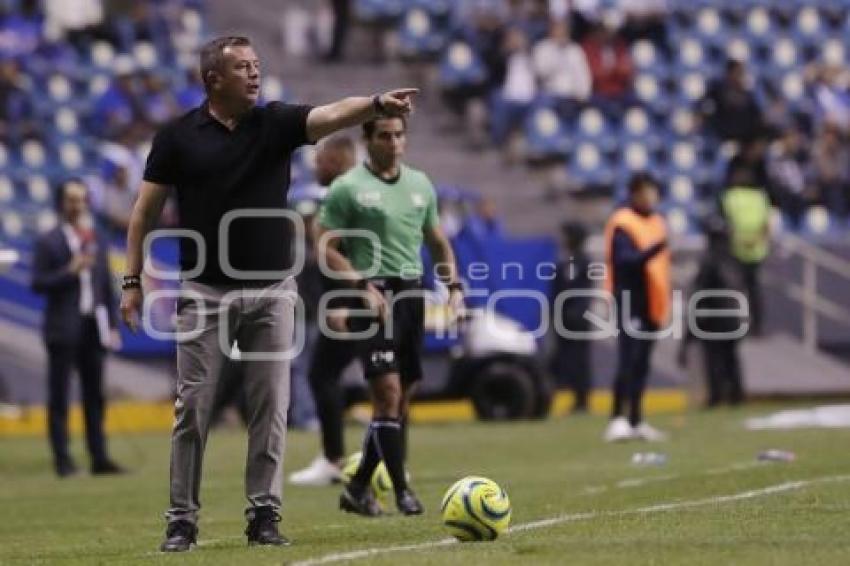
point(71, 269)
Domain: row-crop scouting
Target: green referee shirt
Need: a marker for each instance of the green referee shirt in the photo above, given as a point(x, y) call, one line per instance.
point(396, 212)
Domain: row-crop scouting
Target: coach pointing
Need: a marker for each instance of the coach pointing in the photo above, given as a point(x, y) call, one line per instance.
point(223, 158)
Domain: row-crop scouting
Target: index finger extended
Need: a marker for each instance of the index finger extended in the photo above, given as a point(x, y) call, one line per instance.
point(404, 92)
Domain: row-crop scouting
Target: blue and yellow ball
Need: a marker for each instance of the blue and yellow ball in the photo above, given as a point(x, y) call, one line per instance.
point(381, 483)
point(475, 509)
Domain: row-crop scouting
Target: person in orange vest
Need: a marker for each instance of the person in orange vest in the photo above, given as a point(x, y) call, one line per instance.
point(638, 276)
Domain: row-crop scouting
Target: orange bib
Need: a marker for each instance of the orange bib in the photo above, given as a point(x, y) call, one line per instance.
point(645, 232)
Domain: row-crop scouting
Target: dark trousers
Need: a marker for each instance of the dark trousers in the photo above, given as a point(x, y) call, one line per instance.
point(342, 22)
point(633, 356)
point(723, 372)
point(329, 360)
point(87, 358)
point(572, 368)
point(750, 272)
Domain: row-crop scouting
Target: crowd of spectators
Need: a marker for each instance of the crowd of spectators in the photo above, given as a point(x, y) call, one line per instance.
point(56, 40)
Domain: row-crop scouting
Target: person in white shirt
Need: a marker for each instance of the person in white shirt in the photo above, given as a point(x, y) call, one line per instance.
point(513, 100)
point(561, 68)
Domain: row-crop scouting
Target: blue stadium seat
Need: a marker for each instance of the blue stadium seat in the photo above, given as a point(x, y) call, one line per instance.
point(545, 134)
point(379, 11)
point(421, 35)
point(461, 66)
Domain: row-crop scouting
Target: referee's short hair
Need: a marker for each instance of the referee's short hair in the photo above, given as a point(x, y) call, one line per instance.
point(369, 127)
point(212, 54)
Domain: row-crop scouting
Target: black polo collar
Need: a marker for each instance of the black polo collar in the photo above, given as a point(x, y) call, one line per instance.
point(203, 116)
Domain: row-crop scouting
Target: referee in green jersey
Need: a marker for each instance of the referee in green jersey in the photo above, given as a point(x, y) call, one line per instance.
point(398, 206)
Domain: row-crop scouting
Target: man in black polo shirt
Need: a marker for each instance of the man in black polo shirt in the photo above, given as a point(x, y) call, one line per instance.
point(229, 161)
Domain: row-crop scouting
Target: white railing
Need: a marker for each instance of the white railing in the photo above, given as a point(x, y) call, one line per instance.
point(806, 293)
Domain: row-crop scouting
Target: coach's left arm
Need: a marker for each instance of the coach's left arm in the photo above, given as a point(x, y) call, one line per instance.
point(445, 265)
point(352, 111)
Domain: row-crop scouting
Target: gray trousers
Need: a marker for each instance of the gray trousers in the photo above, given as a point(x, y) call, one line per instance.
point(209, 320)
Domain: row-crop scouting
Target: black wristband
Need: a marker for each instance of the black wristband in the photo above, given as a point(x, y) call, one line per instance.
point(361, 284)
point(131, 282)
point(455, 286)
point(380, 109)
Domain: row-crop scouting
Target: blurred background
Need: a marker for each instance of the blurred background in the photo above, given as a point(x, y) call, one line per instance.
point(532, 114)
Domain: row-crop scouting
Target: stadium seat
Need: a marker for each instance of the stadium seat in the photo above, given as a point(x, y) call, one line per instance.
point(793, 86)
point(436, 8)
point(785, 54)
point(636, 157)
point(691, 53)
point(461, 66)
point(33, 154)
point(678, 221)
point(759, 23)
point(65, 121)
point(692, 88)
point(708, 23)
point(808, 22)
point(71, 156)
point(636, 122)
point(59, 88)
point(545, 134)
point(833, 52)
point(682, 122)
point(592, 123)
point(681, 189)
point(13, 225)
point(7, 189)
point(4, 156)
point(98, 84)
point(819, 222)
point(272, 89)
point(644, 54)
point(101, 54)
point(38, 189)
point(45, 220)
point(738, 48)
point(378, 11)
point(419, 36)
point(683, 157)
point(145, 55)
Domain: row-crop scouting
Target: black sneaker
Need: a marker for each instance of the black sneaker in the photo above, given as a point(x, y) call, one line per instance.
point(179, 537)
point(362, 504)
point(107, 468)
point(408, 504)
point(66, 468)
point(262, 527)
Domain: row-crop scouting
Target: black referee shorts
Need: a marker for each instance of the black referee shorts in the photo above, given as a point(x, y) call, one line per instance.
point(396, 347)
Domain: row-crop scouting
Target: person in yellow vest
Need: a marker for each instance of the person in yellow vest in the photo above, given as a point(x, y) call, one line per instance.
point(638, 276)
point(746, 209)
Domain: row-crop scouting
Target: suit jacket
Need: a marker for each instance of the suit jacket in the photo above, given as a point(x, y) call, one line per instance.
point(62, 318)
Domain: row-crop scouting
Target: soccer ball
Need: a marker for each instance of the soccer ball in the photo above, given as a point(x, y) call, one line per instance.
point(381, 483)
point(476, 508)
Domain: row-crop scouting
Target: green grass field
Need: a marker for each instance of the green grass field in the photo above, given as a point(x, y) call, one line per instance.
point(611, 512)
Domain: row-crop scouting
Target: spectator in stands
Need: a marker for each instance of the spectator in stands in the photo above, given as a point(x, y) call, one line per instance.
point(512, 102)
point(584, 15)
point(119, 195)
point(159, 105)
point(746, 209)
point(730, 110)
point(118, 110)
point(830, 96)
point(192, 93)
point(646, 19)
point(532, 16)
point(787, 170)
point(561, 67)
point(571, 363)
point(342, 23)
point(485, 223)
point(610, 65)
point(17, 114)
point(77, 20)
point(21, 30)
point(831, 169)
point(71, 269)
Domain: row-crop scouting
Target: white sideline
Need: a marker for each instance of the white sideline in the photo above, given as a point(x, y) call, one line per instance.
point(770, 490)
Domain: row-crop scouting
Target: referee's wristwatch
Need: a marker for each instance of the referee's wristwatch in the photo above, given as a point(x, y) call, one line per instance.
point(131, 282)
point(379, 107)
